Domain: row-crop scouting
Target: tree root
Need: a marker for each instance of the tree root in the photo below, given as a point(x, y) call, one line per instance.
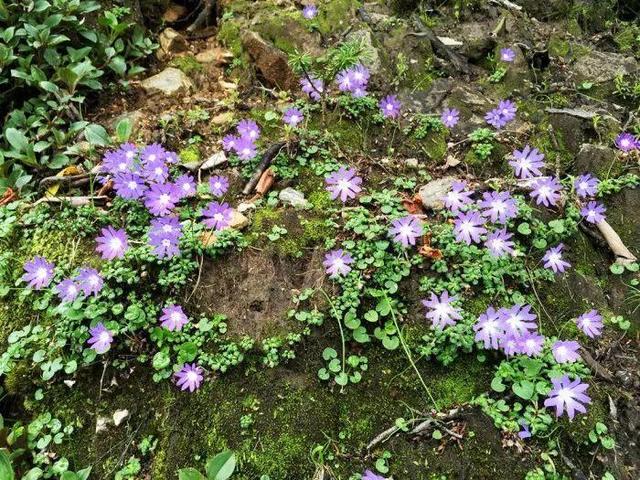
point(74, 201)
point(267, 158)
point(203, 19)
point(440, 49)
point(598, 369)
point(621, 252)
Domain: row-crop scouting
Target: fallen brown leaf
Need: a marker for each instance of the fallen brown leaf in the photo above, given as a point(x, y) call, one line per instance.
point(412, 205)
point(266, 181)
point(8, 197)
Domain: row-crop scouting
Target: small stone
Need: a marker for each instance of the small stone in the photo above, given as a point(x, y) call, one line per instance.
point(222, 118)
point(215, 160)
point(600, 67)
point(228, 85)
point(271, 62)
point(246, 206)
point(174, 13)
point(433, 192)
point(101, 424)
point(217, 56)
point(171, 42)
point(594, 158)
point(411, 162)
point(238, 221)
point(290, 196)
point(119, 416)
point(169, 82)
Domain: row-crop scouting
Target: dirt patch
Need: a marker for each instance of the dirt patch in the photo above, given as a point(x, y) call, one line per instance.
point(253, 289)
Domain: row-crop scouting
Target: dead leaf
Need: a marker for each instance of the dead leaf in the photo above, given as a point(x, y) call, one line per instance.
point(266, 181)
point(8, 197)
point(451, 162)
point(208, 239)
point(65, 172)
point(106, 188)
point(412, 205)
point(428, 251)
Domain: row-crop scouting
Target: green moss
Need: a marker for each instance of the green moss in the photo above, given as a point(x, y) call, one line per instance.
point(229, 35)
point(187, 64)
point(336, 15)
point(190, 154)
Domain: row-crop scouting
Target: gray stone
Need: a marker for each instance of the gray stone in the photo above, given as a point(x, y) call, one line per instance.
point(169, 82)
point(172, 42)
point(594, 158)
point(433, 192)
point(290, 196)
point(600, 67)
point(369, 53)
point(215, 160)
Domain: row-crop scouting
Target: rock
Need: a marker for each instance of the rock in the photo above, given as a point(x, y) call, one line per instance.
point(215, 160)
point(101, 424)
point(478, 41)
point(411, 162)
point(271, 63)
point(573, 129)
point(169, 82)
point(369, 53)
point(174, 13)
point(119, 416)
point(171, 43)
point(545, 9)
point(600, 67)
point(432, 193)
point(246, 206)
point(594, 158)
point(238, 221)
point(421, 101)
point(290, 196)
point(222, 118)
point(217, 56)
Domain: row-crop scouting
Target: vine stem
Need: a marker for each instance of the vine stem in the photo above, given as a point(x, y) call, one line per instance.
point(408, 352)
point(335, 314)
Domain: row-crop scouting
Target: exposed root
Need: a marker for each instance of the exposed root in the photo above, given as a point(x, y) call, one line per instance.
point(204, 18)
point(621, 252)
point(440, 49)
point(267, 158)
point(598, 369)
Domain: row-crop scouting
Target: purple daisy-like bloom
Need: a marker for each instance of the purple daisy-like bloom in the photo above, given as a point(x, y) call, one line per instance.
point(440, 311)
point(129, 186)
point(218, 185)
point(309, 12)
point(345, 80)
point(218, 215)
point(468, 227)
point(161, 199)
point(546, 191)
point(112, 243)
point(314, 87)
point(528, 162)
point(565, 352)
point(590, 323)
point(189, 377)
point(531, 344)
point(173, 318)
point(171, 158)
point(525, 432)
point(626, 142)
point(156, 171)
point(185, 186)
point(489, 328)
point(337, 263)
point(593, 212)
point(586, 185)
point(503, 114)
point(38, 273)
point(90, 281)
point(567, 395)
point(457, 198)
point(494, 119)
point(164, 247)
point(359, 91)
point(450, 117)
point(406, 230)
point(101, 338)
point(153, 153)
point(360, 74)
point(229, 142)
point(518, 320)
point(499, 243)
point(553, 259)
point(510, 345)
point(246, 149)
point(369, 475)
point(507, 55)
point(390, 106)
point(293, 117)
point(129, 150)
point(249, 129)
point(498, 206)
point(344, 184)
point(116, 162)
point(167, 227)
point(67, 290)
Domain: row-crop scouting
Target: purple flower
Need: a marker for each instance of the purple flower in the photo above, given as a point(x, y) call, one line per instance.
point(590, 323)
point(468, 227)
point(249, 129)
point(593, 212)
point(160, 199)
point(153, 153)
point(67, 290)
point(173, 318)
point(546, 191)
point(344, 184)
point(457, 198)
point(129, 186)
point(369, 475)
point(167, 227)
point(101, 338)
point(525, 432)
point(293, 117)
point(565, 352)
point(112, 243)
point(499, 243)
point(337, 263)
point(309, 12)
point(184, 186)
point(450, 117)
point(171, 158)
point(510, 345)
point(406, 230)
point(517, 320)
point(116, 162)
point(390, 106)
point(90, 281)
point(245, 148)
point(360, 74)
point(218, 215)
point(345, 81)
point(156, 171)
point(498, 206)
point(229, 142)
point(129, 150)
point(531, 344)
point(218, 185)
point(164, 247)
point(553, 259)
point(586, 185)
point(627, 142)
point(189, 377)
point(503, 114)
point(507, 55)
point(528, 162)
point(39, 273)
point(314, 87)
point(568, 395)
point(440, 311)
point(489, 328)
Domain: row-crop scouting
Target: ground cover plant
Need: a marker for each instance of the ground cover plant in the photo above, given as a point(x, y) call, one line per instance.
point(336, 242)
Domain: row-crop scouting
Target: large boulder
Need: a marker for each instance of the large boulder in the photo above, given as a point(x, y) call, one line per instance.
point(594, 158)
point(270, 62)
point(600, 67)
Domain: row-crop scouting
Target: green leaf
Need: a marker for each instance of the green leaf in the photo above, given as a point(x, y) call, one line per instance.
point(16, 139)
point(329, 353)
point(436, 435)
point(524, 389)
point(97, 135)
point(6, 470)
point(371, 316)
point(617, 269)
point(391, 343)
point(221, 466)
point(190, 474)
point(497, 385)
point(33, 474)
point(124, 129)
point(342, 379)
point(161, 360)
point(524, 229)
